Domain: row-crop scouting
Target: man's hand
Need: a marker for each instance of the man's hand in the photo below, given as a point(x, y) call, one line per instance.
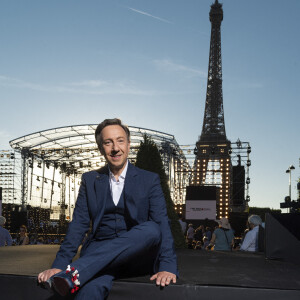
point(164, 278)
point(44, 276)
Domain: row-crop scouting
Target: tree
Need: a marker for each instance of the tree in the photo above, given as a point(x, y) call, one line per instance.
point(148, 158)
point(261, 211)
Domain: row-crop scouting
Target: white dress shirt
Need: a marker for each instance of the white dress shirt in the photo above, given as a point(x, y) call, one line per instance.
point(116, 187)
point(250, 242)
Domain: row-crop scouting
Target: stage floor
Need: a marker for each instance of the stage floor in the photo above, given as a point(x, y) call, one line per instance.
point(206, 272)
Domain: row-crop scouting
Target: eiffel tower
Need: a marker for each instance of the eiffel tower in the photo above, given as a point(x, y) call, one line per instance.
point(212, 166)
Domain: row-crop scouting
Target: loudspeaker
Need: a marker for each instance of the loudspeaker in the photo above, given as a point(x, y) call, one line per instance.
point(238, 185)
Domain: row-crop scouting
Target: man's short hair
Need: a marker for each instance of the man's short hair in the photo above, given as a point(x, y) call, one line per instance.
point(255, 220)
point(108, 122)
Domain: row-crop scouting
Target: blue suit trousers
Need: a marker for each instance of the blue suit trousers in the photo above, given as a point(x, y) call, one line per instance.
point(131, 254)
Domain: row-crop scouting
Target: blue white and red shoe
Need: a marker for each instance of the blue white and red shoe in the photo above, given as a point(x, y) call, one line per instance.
point(66, 282)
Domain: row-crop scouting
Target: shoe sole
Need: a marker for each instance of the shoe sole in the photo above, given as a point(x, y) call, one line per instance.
point(47, 285)
point(61, 286)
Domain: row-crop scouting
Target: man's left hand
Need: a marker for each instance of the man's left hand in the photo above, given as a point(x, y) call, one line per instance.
point(164, 278)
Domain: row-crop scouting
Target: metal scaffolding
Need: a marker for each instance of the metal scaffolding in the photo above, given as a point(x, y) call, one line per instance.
point(10, 176)
point(52, 161)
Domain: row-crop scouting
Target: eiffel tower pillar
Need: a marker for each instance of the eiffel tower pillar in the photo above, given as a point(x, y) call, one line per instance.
point(212, 165)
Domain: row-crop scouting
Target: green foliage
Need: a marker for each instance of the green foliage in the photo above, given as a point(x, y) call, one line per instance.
point(261, 211)
point(148, 158)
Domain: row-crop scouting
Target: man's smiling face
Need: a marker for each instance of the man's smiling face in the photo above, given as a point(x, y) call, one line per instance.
point(115, 147)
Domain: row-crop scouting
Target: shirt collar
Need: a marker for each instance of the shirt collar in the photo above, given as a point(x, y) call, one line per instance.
point(122, 176)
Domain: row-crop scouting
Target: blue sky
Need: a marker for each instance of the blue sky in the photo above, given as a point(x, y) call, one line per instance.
point(77, 62)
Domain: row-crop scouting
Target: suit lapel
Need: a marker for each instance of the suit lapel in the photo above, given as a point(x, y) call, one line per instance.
point(101, 189)
point(130, 185)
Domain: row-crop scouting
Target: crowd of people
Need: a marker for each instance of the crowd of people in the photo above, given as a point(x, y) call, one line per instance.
point(23, 238)
point(221, 238)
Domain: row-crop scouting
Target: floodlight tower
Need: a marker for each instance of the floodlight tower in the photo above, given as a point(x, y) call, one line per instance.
point(213, 163)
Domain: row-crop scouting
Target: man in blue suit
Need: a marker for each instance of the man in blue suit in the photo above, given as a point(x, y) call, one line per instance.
point(130, 229)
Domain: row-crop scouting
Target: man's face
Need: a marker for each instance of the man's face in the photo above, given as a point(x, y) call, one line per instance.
point(115, 147)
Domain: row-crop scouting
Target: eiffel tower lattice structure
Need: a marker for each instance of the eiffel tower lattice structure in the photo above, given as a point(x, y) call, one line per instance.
point(212, 166)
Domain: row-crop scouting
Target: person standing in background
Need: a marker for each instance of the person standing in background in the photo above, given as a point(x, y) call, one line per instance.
point(223, 237)
point(5, 237)
point(250, 242)
point(190, 236)
point(24, 238)
point(182, 223)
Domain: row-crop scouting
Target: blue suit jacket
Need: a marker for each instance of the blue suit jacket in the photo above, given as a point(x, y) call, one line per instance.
point(144, 201)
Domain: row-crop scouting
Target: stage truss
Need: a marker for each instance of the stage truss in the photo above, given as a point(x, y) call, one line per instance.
point(51, 163)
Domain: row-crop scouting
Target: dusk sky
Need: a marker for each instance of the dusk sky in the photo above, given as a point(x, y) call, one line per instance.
point(78, 62)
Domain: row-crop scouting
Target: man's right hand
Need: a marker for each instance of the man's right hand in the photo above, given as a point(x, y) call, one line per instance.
point(45, 275)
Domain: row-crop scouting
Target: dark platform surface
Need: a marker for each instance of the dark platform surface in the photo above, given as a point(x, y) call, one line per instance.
point(207, 274)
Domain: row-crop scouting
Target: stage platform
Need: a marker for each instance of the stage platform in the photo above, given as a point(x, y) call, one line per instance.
point(203, 275)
